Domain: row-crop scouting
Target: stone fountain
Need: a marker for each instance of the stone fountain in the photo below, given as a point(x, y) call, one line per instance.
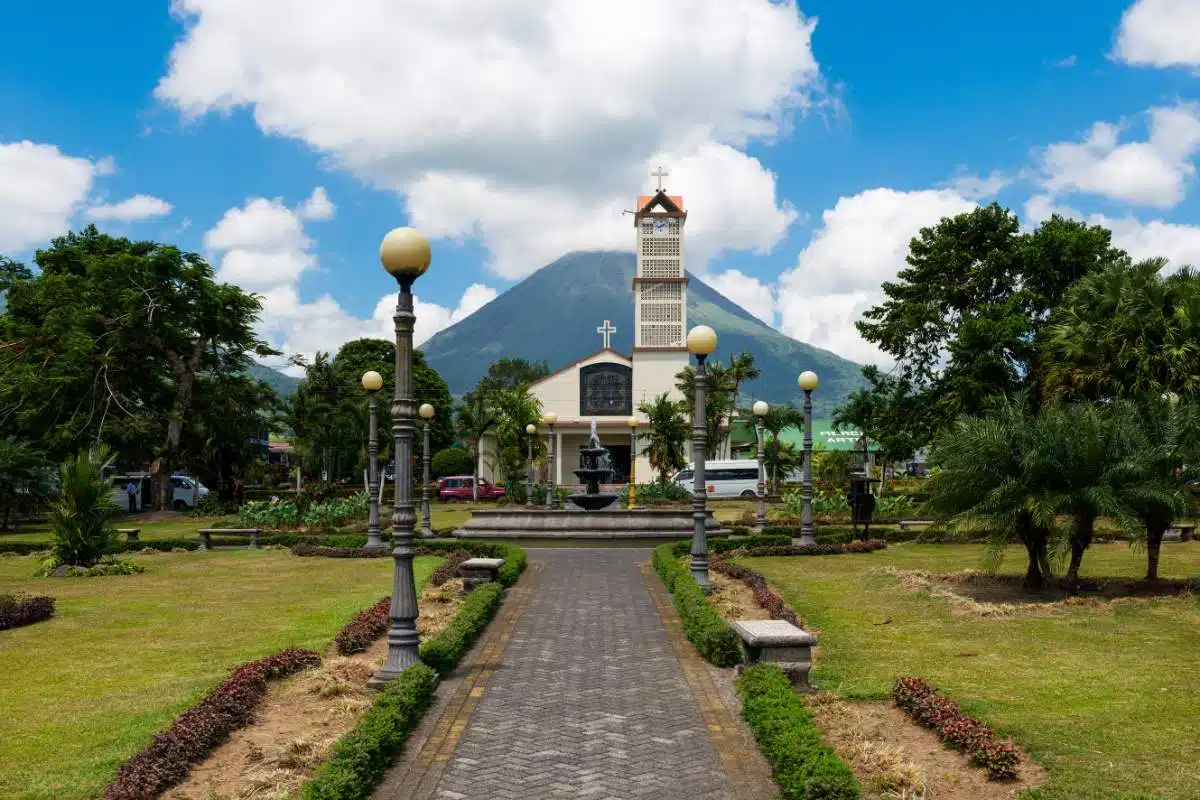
point(590, 514)
point(596, 465)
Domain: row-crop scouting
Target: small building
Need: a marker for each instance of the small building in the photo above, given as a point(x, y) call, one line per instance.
point(744, 438)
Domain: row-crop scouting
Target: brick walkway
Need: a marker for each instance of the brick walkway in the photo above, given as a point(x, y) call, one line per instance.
point(584, 687)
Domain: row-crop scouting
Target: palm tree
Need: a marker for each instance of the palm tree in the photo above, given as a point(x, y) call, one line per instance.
point(515, 408)
point(776, 420)
point(741, 369)
point(1126, 331)
point(983, 484)
point(666, 444)
point(781, 457)
point(475, 417)
point(81, 516)
point(718, 401)
point(1169, 443)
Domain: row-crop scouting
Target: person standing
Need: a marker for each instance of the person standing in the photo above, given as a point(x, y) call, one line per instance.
point(131, 492)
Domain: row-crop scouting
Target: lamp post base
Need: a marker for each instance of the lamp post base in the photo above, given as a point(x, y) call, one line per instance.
point(401, 656)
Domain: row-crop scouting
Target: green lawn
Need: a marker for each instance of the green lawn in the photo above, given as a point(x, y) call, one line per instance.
point(1106, 698)
point(124, 655)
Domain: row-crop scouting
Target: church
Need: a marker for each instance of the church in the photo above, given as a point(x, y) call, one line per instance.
point(607, 386)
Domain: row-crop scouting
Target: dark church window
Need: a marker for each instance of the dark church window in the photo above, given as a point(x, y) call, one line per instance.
point(605, 390)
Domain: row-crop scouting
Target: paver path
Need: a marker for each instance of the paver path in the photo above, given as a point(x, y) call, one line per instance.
point(578, 692)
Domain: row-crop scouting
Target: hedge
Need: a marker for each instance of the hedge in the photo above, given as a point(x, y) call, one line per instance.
point(363, 755)
point(868, 546)
point(21, 609)
point(804, 767)
point(204, 727)
point(723, 544)
point(705, 628)
point(966, 734)
point(514, 557)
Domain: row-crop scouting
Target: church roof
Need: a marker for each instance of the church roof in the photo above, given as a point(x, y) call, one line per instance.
point(672, 203)
point(577, 362)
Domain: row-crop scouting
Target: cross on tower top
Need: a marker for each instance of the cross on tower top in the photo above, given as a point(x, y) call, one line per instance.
point(605, 331)
point(660, 173)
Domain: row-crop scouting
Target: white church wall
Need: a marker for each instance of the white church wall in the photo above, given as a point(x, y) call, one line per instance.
point(654, 373)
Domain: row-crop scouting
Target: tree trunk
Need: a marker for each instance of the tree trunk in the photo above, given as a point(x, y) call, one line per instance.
point(1085, 527)
point(1034, 539)
point(1155, 529)
point(185, 383)
point(475, 478)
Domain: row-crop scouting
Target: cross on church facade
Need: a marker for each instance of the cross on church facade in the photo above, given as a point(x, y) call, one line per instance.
point(660, 173)
point(605, 331)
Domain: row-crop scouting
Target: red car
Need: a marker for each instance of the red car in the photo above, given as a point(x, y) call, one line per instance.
point(458, 487)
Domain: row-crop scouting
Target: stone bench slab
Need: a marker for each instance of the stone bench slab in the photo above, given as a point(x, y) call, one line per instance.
point(777, 642)
point(483, 563)
point(206, 536)
point(477, 571)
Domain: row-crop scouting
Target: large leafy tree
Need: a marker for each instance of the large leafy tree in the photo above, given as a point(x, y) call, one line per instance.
point(509, 373)
point(24, 478)
point(666, 441)
point(108, 341)
point(1126, 331)
point(965, 318)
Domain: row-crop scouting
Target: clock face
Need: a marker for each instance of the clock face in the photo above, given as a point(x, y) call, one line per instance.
point(660, 226)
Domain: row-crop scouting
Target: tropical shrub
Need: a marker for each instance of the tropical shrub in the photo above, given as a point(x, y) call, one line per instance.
point(82, 513)
point(653, 494)
point(451, 461)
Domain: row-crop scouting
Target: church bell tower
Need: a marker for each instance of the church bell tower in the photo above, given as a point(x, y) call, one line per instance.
point(660, 293)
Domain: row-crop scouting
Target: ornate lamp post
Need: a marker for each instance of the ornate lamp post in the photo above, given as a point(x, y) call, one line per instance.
point(701, 342)
point(372, 381)
point(531, 430)
point(550, 419)
point(808, 383)
point(760, 410)
point(405, 254)
point(633, 426)
point(426, 412)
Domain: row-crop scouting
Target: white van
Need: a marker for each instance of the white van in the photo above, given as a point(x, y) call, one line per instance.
point(186, 491)
point(724, 478)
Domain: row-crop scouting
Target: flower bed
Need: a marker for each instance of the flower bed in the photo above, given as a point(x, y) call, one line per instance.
point(21, 609)
point(363, 628)
point(868, 546)
point(764, 595)
point(804, 767)
point(201, 729)
point(927, 706)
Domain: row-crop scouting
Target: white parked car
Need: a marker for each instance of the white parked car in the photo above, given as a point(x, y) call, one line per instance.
point(186, 491)
point(737, 478)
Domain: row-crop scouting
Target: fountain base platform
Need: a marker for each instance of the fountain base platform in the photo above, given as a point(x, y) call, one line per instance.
point(534, 523)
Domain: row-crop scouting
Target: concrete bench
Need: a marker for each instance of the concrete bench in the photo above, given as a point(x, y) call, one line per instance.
point(907, 524)
point(206, 536)
point(1186, 531)
point(478, 571)
point(778, 642)
point(131, 534)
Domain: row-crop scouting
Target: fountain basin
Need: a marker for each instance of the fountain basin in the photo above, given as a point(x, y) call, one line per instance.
point(534, 523)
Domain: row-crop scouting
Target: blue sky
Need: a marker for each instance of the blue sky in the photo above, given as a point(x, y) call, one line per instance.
point(514, 131)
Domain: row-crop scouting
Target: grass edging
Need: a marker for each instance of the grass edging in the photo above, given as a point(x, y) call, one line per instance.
point(360, 758)
point(964, 733)
point(702, 625)
point(804, 767)
point(19, 609)
point(198, 731)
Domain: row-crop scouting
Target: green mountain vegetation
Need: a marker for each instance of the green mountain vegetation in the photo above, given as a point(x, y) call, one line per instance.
point(284, 385)
point(553, 314)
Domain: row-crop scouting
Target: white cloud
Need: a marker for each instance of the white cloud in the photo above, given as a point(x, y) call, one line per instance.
point(747, 291)
point(263, 247)
point(133, 209)
point(1151, 173)
point(1159, 33)
point(1066, 63)
point(527, 123)
point(862, 242)
point(41, 188)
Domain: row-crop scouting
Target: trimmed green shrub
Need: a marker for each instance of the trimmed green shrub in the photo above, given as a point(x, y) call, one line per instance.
point(443, 651)
point(451, 461)
point(722, 544)
point(360, 758)
point(704, 627)
point(654, 494)
point(804, 767)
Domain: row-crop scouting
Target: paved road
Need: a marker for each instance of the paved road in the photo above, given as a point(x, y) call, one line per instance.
point(579, 692)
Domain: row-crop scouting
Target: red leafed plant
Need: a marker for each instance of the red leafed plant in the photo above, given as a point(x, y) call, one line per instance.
point(363, 628)
point(449, 568)
point(764, 595)
point(201, 729)
point(19, 609)
point(927, 706)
